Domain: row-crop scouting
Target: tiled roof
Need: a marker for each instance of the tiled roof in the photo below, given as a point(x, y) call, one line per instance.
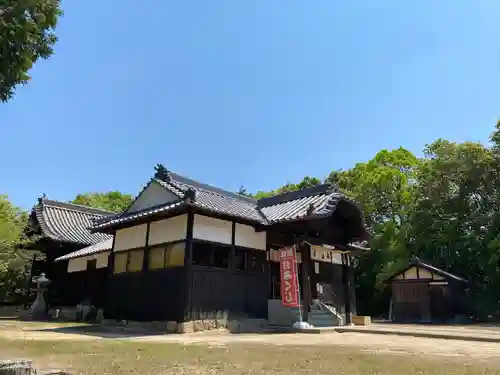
point(100, 247)
point(68, 222)
point(215, 199)
point(205, 197)
point(321, 200)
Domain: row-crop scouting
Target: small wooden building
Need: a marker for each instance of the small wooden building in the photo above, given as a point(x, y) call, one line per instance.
point(424, 293)
point(184, 250)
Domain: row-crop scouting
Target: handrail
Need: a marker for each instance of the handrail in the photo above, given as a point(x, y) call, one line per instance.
point(323, 306)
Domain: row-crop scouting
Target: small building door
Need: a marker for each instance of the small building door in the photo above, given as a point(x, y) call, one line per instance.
point(411, 301)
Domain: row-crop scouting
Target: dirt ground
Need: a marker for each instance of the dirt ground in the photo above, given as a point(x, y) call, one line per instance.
point(367, 343)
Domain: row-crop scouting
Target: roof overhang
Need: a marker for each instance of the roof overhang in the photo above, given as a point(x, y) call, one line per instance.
point(87, 251)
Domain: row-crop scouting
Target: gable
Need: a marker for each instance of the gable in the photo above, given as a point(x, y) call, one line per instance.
point(153, 195)
point(418, 273)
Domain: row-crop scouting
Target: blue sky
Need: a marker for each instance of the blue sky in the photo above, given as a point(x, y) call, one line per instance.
point(257, 93)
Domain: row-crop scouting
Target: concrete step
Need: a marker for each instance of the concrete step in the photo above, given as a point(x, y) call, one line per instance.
point(321, 319)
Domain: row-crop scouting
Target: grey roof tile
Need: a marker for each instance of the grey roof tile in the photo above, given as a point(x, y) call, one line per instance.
point(319, 200)
point(100, 247)
point(68, 222)
point(214, 199)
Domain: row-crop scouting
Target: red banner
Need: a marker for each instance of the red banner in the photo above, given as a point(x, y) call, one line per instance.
point(289, 280)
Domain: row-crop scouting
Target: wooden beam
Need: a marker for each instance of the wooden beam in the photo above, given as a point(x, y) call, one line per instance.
point(347, 289)
point(306, 284)
point(111, 258)
point(188, 267)
point(232, 253)
point(145, 257)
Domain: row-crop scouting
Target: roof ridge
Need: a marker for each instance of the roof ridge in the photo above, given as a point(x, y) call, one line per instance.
point(163, 174)
point(210, 189)
point(74, 207)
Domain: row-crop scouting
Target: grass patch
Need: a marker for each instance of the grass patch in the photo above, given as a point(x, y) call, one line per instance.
point(125, 357)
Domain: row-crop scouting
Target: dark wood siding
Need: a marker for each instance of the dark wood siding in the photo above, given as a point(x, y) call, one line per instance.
point(237, 292)
point(411, 301)
point(152, 295)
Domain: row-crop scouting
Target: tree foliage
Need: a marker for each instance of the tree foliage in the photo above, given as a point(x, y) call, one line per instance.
point(305, 183)
point(443, 207)
point(113, 201)
point(12, 261)
point(26, 35)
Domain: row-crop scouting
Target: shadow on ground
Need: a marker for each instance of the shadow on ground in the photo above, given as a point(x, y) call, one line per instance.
point(110, 332)
point(100, 331)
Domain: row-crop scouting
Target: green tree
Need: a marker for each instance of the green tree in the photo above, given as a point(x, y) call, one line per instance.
point(26, 35)
point(243, 191)
point(113, 201)
point(306, 182)
point(456, 216)
point(384, 188)
point(12, 260)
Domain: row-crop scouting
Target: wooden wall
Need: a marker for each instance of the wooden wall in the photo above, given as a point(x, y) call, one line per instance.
point(152, 295)
point(237, 292)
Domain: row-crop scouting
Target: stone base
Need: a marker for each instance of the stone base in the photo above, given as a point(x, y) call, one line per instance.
point(361, 320)
point(200, 325)
point(25, 367)
point(17, 367)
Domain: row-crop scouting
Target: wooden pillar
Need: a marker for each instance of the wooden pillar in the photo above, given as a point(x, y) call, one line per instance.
point(347, 288)
point(145, 258)
point(188, 267)
point(111, 258)
point(232, 252)
point(306, 285)
point(314, 280)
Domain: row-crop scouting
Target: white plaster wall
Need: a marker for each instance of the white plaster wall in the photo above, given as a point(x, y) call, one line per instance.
point(153, 195)
point(77, 264)
point(322, 254)
point(168, 230)
point(422, 274)
point(246, 236)
point(411, 274)
point(130, 238)
point(80, 264)
point(210, 229)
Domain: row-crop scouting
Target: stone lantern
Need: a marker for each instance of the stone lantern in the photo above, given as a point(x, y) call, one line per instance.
point(39, 307)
